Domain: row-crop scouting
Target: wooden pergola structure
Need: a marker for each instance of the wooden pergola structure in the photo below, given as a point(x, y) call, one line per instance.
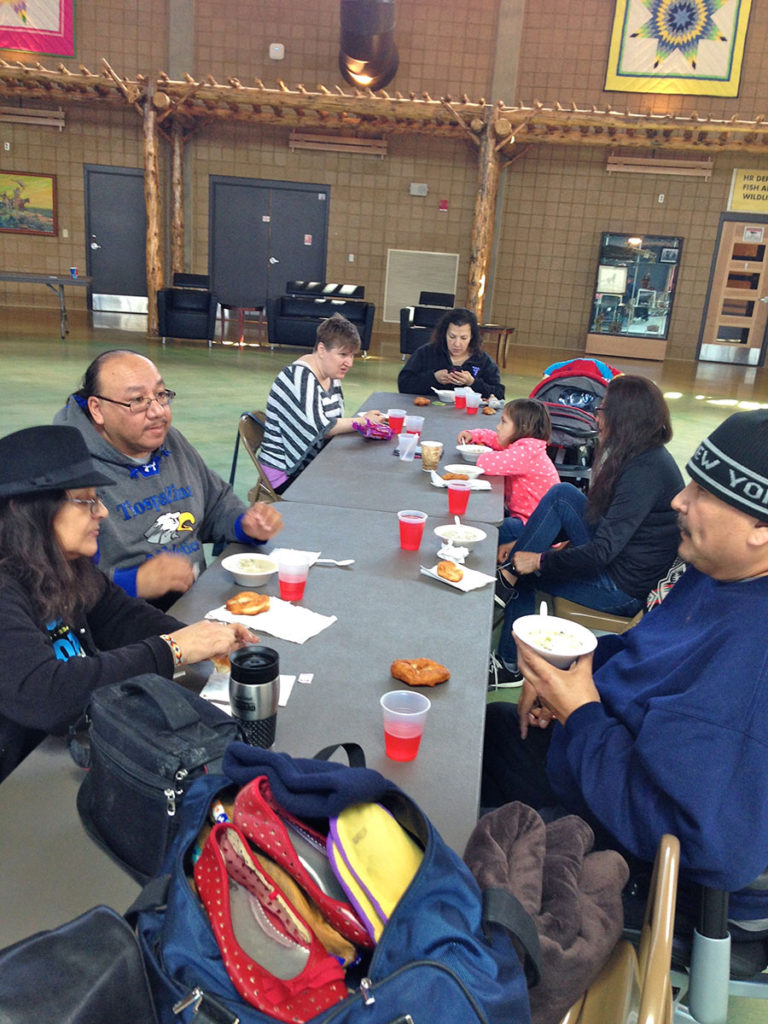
point(176, 109)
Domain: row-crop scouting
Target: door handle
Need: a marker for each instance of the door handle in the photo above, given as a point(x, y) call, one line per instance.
point(273, 260)
point(95, 245)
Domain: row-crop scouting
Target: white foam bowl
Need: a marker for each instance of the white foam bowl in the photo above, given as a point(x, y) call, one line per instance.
point(460, 536)
point(445, 396)
point(559, 641)
point(250, 570)
point(472, 452)
point(469, 471)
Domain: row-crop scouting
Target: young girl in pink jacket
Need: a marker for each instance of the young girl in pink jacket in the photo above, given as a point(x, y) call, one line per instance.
point(519, 455)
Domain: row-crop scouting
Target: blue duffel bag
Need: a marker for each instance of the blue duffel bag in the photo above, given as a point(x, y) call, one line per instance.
point(446, 953)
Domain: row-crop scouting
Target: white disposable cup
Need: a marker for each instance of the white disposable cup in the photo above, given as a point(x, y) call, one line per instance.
point(473, 399)
point(414, 425)
point(405, 714)
point(406, 444)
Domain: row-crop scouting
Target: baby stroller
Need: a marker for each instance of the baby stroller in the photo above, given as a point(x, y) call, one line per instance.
point(572, 391)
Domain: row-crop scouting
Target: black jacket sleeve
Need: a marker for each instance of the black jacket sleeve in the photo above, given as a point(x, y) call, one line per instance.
point(417, 377)
point(120, 635)
point(488, 377)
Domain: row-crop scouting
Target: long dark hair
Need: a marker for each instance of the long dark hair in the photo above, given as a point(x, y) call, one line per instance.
point(635, 418)
point(30, 554)
point(458, 317)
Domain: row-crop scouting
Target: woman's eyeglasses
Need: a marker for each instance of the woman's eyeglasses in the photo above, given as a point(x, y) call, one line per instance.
point(92, 503)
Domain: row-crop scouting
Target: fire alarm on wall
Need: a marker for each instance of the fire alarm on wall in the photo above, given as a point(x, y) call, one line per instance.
point(276, 51)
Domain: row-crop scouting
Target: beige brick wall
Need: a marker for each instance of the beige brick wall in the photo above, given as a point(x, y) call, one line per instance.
point(556, 200)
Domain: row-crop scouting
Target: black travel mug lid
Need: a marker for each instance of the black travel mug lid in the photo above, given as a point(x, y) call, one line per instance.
point(254, 664)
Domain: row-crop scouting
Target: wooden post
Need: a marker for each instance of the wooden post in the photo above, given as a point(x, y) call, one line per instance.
point(177, 199)
point(489, 172)
point(154, 214)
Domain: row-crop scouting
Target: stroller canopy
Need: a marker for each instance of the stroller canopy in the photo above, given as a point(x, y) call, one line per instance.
point(575, 382)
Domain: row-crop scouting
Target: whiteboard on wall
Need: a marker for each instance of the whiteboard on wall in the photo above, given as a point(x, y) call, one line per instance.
point(410, 272)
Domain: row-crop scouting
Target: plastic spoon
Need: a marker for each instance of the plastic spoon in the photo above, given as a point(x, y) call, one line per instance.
point(543, 609)
point(332, 561)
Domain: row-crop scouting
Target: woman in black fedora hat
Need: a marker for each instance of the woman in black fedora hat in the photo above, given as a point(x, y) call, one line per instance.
point(66, 628)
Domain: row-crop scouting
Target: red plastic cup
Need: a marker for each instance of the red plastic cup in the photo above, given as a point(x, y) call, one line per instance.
point(411, 528)
point(414, 424)
point(460, 398)
point(405, 714)
point(292, 571)
point(473, 403)
point(458, 497)
point(396, 418)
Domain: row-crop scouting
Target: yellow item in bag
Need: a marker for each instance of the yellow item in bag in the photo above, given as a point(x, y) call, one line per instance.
point(375, 860)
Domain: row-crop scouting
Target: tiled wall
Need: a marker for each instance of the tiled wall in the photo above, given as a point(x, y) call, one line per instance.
point(556, 199)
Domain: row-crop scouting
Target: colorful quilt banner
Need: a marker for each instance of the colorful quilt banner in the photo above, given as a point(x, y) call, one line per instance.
point(678, 47)
point(38, 26)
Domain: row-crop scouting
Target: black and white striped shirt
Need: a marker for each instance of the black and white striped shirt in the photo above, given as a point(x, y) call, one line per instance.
point(299, 414)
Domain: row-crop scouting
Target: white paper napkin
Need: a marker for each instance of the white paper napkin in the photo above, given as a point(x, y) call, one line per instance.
point(472, 579)
point(474, 485)
point(283, 620)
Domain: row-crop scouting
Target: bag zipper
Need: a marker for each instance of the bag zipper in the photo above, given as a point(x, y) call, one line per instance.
point(149, 780)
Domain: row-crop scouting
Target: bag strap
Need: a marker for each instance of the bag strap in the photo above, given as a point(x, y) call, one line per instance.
point(500, 907)
point(355, 754)
point(177, 712)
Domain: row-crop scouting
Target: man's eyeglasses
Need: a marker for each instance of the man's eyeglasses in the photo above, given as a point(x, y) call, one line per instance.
point(139, 405)
point(92, 503)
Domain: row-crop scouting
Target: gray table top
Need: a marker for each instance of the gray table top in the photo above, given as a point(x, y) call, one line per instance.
point(351, 472)
point(385, 610)
point(53, 871)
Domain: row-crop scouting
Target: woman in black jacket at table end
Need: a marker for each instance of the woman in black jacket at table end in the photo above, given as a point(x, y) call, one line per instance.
point(452, 358)
point(66, 628)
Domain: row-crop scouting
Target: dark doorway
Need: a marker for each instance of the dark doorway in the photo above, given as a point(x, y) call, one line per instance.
point(115, 232)
point(264, 234)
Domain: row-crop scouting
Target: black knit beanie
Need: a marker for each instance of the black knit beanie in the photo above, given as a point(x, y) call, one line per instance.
point(732, 462)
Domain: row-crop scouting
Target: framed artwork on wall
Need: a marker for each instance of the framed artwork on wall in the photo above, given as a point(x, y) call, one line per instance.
point(677, 47)
point(669, 256)
point(28, 203)
point(38, 26)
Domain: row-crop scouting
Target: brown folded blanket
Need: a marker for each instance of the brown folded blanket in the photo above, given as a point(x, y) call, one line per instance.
point(572, 894)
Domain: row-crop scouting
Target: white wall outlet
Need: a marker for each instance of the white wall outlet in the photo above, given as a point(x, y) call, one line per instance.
point(661, 197)
point(7, 146)
point(351, 258)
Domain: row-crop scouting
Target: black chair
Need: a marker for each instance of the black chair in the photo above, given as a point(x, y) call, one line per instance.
point(418, 322)
point(188, 309)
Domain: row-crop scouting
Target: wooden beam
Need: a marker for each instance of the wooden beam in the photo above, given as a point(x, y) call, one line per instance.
point(154, 216)
point(488, 174)
point(177, 200)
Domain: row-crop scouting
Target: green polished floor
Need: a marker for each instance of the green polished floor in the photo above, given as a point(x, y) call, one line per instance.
point(38, 371)
point(215, 385)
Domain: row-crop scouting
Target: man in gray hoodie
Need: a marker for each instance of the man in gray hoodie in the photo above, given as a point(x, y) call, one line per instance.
point(166, 503)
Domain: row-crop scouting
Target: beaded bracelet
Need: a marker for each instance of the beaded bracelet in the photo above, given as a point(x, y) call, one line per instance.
point(175, 649)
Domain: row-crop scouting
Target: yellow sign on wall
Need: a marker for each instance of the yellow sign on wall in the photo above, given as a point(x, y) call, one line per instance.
point(749, 191)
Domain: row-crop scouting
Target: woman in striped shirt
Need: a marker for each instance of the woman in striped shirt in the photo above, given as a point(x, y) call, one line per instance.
point(305, 406)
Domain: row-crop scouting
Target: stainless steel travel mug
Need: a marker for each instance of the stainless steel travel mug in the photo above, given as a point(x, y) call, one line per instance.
point(254, 688)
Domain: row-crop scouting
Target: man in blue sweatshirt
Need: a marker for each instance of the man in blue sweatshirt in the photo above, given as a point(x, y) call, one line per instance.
point(665, 729)
point(166, 503)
